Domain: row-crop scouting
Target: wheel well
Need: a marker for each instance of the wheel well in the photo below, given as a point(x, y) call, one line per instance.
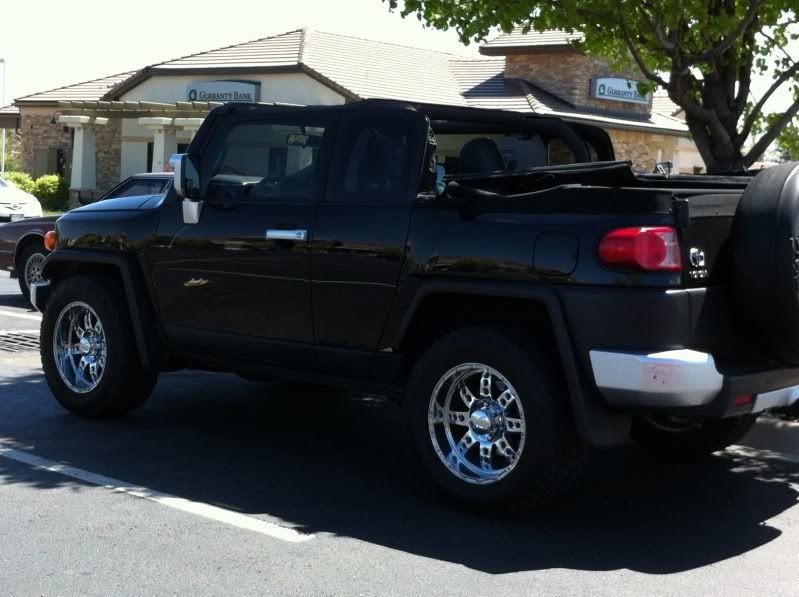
point(23, 244)
point(440, 314)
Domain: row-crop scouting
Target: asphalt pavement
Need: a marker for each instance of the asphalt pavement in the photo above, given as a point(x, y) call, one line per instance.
point(219, 486)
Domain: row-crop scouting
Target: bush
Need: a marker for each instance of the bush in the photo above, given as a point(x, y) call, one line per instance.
point(20, 180)
point(52, 192)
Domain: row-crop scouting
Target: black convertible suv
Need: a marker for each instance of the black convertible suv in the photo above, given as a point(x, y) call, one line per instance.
point(522, 294)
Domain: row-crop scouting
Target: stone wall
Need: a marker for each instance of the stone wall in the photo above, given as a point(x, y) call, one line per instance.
point(109, 154)
point(38, 131)
point(568, 74)
point(644, 150)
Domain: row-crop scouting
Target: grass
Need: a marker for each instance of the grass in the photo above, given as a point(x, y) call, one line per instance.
point(48, 212)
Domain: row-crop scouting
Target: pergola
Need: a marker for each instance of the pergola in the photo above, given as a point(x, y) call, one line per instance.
point(164, 119)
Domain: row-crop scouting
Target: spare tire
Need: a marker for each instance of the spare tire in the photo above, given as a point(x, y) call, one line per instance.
point(765, 260)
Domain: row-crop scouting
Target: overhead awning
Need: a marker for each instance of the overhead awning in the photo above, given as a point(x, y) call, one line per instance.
point(9, 117)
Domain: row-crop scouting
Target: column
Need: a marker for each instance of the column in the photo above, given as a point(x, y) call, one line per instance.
point(84, 150)
point(164, 141)
point(189, 124)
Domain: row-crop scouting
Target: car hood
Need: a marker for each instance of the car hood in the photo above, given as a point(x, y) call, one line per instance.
point(123, 204)
point(11, 195)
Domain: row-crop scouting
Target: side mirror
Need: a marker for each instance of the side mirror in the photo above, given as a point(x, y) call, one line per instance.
point(441, 172)
point(187, 176)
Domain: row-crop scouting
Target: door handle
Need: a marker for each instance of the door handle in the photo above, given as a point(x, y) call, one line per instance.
point(295, 234)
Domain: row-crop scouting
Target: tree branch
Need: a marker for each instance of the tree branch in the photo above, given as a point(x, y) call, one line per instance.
point(726, 43)
point(774, 130)
point(647, 72)
point(754, 114)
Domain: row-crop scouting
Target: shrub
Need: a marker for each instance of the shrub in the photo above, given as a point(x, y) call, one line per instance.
point(20, 180)
point(52, 191)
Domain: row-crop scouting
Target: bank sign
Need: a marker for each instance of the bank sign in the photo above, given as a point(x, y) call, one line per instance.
point(224, 91)
point(617, 90)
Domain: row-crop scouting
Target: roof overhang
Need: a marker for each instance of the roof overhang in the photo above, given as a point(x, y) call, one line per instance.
point(9, 120)
point(115, 93)
point(549, 49)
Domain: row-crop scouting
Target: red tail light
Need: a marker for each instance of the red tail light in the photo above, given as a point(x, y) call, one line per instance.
point(650, 249)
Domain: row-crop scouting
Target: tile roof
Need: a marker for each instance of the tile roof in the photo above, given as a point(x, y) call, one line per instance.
point(662, 104)
point(533, 39)
point(12, 109)
point(362, 68)
point(88, 90)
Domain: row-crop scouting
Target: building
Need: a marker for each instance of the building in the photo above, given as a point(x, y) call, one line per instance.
point(98, 132)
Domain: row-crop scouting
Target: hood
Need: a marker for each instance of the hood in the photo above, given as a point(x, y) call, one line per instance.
point(124, 204)
point(13, 195)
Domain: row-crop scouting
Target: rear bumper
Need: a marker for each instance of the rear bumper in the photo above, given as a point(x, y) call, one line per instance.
point(689, 382)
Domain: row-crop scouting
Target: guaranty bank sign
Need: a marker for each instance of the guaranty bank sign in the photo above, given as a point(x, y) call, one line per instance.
point(617, 90)
point(224, 91)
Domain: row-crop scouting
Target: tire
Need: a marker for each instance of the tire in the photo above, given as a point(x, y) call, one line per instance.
point(548, 453)
point(765, 261)
point(684, 439)
point(31, 258)
point(120, 383)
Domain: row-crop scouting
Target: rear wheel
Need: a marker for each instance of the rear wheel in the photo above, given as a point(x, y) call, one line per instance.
point(683, 438)
point(29, 267)
point(88, 354)
point(489, 421)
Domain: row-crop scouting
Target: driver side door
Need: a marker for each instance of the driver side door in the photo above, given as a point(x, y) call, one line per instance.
point(238, 281)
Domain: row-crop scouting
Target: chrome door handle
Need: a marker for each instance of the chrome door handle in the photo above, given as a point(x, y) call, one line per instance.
point(296, 234)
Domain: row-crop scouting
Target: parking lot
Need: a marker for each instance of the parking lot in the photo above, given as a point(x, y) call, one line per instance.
point(222, 486)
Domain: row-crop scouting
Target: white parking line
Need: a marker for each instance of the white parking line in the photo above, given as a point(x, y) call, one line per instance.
point(36, 317)
point(198, 508)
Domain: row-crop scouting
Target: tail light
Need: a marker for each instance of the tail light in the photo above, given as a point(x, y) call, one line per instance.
point(649, 249)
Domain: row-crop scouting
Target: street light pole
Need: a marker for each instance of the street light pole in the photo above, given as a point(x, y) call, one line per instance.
point(2, 104)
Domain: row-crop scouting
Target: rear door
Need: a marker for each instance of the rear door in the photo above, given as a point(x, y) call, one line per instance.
point(361, 232)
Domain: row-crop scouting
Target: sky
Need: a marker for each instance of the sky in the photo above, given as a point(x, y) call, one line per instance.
point(51, 43)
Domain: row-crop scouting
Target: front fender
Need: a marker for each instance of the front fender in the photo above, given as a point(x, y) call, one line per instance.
point(63, 261)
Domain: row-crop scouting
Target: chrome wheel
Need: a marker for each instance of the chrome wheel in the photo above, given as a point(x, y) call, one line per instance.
point(79, 347)
point(33, 269)
point(476, 423)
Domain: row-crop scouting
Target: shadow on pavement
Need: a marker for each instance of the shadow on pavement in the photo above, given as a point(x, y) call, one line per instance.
point(330, 463)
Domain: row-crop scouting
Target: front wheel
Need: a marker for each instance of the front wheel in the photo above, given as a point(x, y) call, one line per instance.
point(88, 354)
point(489, 421)
point(683, 438)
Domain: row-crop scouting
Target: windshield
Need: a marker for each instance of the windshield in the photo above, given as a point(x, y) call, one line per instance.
point(3, 184)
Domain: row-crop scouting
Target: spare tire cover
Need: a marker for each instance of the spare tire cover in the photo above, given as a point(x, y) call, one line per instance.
point(765, 251)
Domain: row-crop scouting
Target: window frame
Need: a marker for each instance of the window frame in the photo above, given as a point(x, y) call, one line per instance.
point(321, 119)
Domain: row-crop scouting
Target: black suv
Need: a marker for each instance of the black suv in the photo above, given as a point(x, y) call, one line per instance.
point(520, 310)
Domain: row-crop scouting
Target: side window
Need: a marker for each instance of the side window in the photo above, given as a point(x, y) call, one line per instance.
point(262, 160)
point(375, 160)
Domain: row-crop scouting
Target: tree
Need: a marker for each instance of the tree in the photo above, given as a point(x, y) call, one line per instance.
point(705, 53)
point(788, 142)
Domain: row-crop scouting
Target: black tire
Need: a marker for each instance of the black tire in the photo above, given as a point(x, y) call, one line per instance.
point(549, 461)
point(124, 385)
point(27, 253)
point(765, 260)
point(697, 439)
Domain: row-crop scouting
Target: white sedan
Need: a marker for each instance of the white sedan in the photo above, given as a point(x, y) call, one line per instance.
point(16, 204)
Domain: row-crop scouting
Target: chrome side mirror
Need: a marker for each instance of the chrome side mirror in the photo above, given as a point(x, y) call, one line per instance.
point(187, 177)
